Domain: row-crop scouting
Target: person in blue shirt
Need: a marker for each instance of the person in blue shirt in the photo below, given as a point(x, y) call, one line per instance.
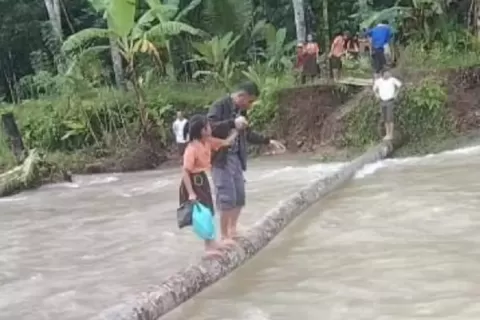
point(380, 37)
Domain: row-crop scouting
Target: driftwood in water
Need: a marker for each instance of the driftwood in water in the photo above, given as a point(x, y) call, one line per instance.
point(187, 282)
point(22, 177)
point(14, 138)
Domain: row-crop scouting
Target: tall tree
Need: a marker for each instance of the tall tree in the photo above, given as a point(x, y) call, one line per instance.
point(299, 11)
point(326, 32)
point(55, 18)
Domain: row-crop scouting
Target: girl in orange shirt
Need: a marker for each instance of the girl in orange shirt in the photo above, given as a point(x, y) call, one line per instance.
point(196, 164)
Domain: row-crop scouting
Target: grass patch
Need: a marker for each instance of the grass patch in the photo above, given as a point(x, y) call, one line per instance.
point(417, 58)
point(7, 159)
point(421, 113)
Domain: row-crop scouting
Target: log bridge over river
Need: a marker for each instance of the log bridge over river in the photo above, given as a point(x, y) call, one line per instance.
point(187, 282)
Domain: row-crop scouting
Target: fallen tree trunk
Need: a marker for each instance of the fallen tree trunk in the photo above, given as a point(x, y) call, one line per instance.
point(22, 177)
point(189, 281)
point(13, 135)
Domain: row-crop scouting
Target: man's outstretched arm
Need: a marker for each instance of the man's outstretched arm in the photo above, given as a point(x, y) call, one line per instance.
point(257, 138)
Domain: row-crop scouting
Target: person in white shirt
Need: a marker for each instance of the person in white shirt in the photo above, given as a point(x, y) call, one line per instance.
point(386, 88)
point(178, 130)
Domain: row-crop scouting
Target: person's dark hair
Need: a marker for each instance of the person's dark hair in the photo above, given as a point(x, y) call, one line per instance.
point(250, 88)
point(384, 21)
point(195, 126)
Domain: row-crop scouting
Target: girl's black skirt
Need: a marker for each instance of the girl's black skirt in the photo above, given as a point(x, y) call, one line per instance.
point(202, 189)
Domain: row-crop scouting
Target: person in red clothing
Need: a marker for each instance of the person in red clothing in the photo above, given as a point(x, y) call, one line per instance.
point(311, 51)
point(300, 61)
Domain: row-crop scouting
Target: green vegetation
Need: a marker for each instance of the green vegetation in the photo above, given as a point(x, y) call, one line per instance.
point(421, 113)
point(98, 79)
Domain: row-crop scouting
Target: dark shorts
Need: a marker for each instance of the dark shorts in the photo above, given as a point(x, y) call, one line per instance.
point(201, 187)
point(387, 110)
point(181, 148)
point(310, 66)
point(229, 184)
point(378, 60)
point(336, 63)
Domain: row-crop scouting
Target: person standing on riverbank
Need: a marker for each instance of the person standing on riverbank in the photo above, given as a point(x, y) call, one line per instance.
point(352, 47)
point(337, 50)
point(178, 130)
point(300, 61)
point(310, 66)
point(386, 89)
point(380, 37)
point(228, 165)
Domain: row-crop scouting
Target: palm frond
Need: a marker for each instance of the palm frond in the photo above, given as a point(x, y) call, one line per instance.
point(78, 61)
point(191, 6)
point(121, 16)
point(223, 16)
point(99, 5)
point(172, 28)
point(83, 38)
point(143, 24)
point(390, 14)
point(163, 12)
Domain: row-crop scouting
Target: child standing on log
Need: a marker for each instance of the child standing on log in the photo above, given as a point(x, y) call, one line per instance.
point(196, 164)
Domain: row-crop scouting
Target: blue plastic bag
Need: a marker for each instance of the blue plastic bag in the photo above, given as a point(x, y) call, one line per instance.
point(203, 222)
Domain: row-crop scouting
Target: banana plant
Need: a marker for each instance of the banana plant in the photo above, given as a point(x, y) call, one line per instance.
point(158, 24)
point(214, 53)
point(423, 14)
point(224, 75)
point(277, 49)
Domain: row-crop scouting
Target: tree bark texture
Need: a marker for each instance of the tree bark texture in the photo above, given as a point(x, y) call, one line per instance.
point(299, 11)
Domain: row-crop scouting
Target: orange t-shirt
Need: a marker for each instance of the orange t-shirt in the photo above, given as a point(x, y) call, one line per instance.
point(338, 46)
point(197, 156)
point(312, 48)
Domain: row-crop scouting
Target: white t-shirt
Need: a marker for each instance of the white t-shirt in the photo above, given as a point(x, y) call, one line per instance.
point(386, 88)
point(178, 126)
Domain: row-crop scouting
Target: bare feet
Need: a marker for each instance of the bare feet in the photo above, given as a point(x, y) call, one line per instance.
point(227, 242)
point(387, 138)
point(212, 248)
point(234, 234)
point(213, 253)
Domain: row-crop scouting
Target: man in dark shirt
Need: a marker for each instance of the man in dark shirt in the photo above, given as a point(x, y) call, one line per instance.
point(228, 164)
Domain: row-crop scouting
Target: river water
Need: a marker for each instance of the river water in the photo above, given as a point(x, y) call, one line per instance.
point(401, 241)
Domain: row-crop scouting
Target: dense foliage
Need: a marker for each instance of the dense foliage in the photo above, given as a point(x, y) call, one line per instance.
point(87, 74)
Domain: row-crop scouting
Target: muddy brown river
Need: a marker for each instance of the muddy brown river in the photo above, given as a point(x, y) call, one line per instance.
point(401, 241)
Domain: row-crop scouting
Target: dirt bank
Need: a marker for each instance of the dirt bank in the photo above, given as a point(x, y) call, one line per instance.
point(464, 98)
point(312, 118)
point(304, 111)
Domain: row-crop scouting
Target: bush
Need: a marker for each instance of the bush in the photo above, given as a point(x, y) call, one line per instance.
point(417, 56)
point(265, 111)
point(104, 118)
